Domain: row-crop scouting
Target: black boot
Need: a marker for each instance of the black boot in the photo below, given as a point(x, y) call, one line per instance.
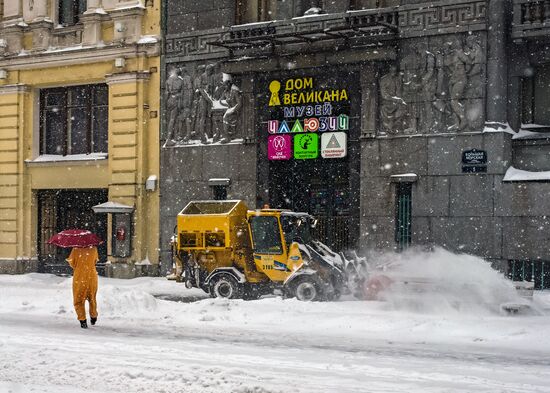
point(84, 324)
point(93, 320)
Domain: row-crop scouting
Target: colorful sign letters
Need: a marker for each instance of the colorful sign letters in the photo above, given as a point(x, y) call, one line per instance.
point(299, 113)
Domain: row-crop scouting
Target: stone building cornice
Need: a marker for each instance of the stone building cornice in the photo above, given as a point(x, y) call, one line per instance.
point(125, 77)
point(78, 55)
point(14, 89)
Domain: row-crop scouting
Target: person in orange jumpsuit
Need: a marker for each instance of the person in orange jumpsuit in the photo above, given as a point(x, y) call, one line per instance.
point(83, 261)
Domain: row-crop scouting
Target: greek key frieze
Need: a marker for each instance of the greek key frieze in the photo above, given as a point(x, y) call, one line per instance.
point(435, 18)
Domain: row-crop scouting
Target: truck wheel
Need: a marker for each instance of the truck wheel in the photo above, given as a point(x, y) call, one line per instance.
point(225, 286)
point(306, 290)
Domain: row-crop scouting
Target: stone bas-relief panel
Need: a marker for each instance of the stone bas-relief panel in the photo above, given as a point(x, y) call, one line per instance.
point(203, 106)
point(435, 90)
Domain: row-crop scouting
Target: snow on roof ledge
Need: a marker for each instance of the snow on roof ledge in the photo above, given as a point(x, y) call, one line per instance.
point(112, 207)
point(513, 174)
point(404, 178)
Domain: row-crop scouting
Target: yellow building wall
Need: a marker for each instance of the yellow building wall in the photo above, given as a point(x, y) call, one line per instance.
point(133, 153)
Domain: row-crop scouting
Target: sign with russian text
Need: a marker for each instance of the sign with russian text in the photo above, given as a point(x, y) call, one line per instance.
point(306, 146)
point(334, 145)
point(474, 157)
point(301, 108)
point(279, 147)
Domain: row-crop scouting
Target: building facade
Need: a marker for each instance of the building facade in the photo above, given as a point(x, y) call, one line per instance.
point(79, 142)
point(396, 123)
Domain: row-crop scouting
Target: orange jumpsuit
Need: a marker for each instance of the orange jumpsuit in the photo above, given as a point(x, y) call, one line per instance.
point(83, 261)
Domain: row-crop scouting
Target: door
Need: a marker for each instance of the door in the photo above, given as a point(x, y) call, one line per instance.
point(403, 216)
point(321, 188)
point(68, 209)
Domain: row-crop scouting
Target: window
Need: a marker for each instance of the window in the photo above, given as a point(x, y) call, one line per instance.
point(266, 235)
point(74, 120)
point(70, 11)
point(536, 97)
point(296, 228)
point(249, 11)
point(369, 4)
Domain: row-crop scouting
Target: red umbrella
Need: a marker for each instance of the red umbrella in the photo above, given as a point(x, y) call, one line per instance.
point(80, 238)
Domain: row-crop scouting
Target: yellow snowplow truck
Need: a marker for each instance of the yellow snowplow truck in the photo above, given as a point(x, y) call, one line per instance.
point(232, 252)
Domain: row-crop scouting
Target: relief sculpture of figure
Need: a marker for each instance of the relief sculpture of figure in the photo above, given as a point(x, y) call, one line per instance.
point(475, 55)
point(196, 82)
point(174, 86)
point(204, 104)
point(234, 103)
point(476, 58)
point(392, 106)
point(457, 61)
point(433, 107)
point(185, 106)
point(411, 68)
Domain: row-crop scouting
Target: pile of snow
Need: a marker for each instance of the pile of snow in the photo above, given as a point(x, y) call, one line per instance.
point(440, 282)
point(514, 174)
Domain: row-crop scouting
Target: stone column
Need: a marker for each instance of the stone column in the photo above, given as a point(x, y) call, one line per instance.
point(41, 34)
point(369, 101)
point(127, 24)
point(15, 230)
point(92, 27)
point(13, 36)
point(132, 158)
point(13, 10)
point(93, 5)
point(39, 10)
point(496, 100)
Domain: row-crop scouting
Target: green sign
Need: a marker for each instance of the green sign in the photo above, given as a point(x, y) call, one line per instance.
point(306, 146)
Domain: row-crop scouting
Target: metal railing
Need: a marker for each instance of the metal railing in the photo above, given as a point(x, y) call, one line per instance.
point(537, 272)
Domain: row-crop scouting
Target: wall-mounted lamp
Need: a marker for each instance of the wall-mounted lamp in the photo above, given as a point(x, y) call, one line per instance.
point(120, 62)
point(3, 74)
point(151, 183)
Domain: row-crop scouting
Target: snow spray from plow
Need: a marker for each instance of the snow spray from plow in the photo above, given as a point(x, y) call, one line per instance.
point(441, 282)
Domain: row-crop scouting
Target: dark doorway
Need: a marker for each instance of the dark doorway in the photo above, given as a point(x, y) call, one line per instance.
point(404, 215)
point(68, 209)
point(321, 188)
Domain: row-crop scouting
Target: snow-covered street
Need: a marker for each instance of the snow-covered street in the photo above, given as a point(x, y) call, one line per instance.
point(146, 343)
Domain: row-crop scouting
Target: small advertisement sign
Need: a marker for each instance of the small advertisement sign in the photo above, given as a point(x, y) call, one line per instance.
point(334, 145)
point(279, 147)
point(306, 146)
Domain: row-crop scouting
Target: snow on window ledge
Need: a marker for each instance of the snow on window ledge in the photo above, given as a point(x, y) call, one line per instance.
point(71, 158)
point(533, 131)
point(514, 174)
point(498, 127)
